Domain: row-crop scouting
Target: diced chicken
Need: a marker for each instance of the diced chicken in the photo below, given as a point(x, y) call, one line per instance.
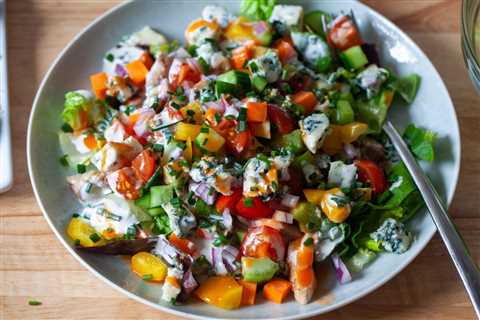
point(115, 132)
point(302, 292)
point(290, 16)
point(314, 130)
point(341, 175)
point(89, 187)
point(115, 155)
point(172, 285)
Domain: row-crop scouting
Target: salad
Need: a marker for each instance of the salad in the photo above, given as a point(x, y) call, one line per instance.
point(238, 162)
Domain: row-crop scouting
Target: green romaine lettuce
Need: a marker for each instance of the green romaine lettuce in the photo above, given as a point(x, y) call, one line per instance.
point(75, 110)
point(420, 142)
point(257, 9)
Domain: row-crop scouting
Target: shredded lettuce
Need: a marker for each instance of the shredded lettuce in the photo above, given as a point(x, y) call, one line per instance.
point(421, 142)
point(75, 110)
point(360, 259)
point(257, 9)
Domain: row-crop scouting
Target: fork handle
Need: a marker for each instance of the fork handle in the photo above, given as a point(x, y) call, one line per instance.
point(466, 267)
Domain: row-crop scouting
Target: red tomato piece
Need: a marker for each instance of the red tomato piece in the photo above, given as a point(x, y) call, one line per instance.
point(228, 202)
point(253, 208)
point(144, 165)
point(236, 142)
point(344, 34)
point(128, 184)
point(281, 119)
point(263, 241)
point(369, 171)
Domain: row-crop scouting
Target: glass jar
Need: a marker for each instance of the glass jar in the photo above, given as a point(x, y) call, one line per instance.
point(471, 39)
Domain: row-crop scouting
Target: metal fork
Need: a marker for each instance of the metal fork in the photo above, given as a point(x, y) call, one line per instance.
point(466, 267)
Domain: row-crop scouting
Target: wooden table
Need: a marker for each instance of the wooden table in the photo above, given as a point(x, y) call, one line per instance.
point(33, 264)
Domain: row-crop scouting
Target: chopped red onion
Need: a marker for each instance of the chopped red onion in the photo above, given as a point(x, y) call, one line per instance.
point(284, 174)
point(290, 200)
point(267, 222)
point(227, 219)
point(141, 127)
point(188, 282)
point(229, 257)
point(341, 271)
point(350, 151)
point(215, 106)
point(282, 216)
point(194, 65)
point(202, 190)
point(217, 260)
point(260, 27)
point(120, 70)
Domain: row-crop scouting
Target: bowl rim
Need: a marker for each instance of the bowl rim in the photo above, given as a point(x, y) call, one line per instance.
point(404, 38)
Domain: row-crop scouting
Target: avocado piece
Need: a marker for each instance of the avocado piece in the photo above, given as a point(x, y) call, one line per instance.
point(305, 212)
point(258, 269)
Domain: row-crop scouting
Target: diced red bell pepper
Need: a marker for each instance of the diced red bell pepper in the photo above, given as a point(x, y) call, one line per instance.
point(228, 202)
point(253, 208)
point(281, 119)
point(369, 171)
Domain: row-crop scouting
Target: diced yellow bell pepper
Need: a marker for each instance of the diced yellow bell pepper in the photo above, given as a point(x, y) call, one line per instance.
point(352, 131)
point(80, 230)
point(187, 130)
point(211, 141)
point(145, 264)
point(334, 211)
point(261, 129)
point(239, 30)
point(221, 291)
point(314, 196)
point(333, 141)
point(192, 112)
point(188, 152)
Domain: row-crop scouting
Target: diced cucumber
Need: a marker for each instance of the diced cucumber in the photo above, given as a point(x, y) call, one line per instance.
point(259, 83)
point(160, 195)
point(323, 64)
point(293, 141)
point(344, 112)
point(314, 21)
point(144, 202)
point(258, 269)
point(240, 80)
point(354, 58)
point(224, 88)
point(303, 159)
point(407, 87)
point(304, 212)
point(156, 211)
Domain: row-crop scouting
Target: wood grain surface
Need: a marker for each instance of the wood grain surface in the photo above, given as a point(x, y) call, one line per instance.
point(33, 264)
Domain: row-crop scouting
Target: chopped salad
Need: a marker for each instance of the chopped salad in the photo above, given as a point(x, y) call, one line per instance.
point(236, 163)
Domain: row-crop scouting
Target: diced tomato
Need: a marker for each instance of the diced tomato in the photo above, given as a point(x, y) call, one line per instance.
point(236, 142)
point(128, 184)
point(253, 208)
point(240, 56)
point(281, 119)
point(344, 34)
point(369, 171)
point(263, 241)
point(228, 202)
point(182, 244)
point(144, 165)
point(187, 74)
point(306, 99)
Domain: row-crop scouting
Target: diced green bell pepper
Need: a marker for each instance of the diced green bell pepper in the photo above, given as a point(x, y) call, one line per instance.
point(344, 112)
point(354, 58)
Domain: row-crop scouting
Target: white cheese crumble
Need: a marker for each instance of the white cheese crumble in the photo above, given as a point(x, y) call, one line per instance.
point(217, 13)
point(291, 16)
point(314, 129)
point(267, 66)
point(393, 236)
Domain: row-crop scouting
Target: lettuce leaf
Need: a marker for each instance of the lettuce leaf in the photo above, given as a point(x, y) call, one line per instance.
point(75, 110)
point(421, 142)
point(257, 9)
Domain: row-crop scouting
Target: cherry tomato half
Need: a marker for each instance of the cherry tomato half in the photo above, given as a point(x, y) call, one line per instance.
point(263, 242)
point(344, 34)
point(228, 202)
point(369, 171)
point(144, 165)
point(253, 208)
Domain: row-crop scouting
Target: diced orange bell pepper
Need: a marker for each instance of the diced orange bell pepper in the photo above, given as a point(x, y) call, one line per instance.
point(221, 291)
point(256, 111)
point(249, 292)
point(137, 72)
point(99, 84)
point(306, 99)
point(277, 290)
point(90, 142)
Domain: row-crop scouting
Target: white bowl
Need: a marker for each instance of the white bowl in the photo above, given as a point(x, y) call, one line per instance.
point(432, 109)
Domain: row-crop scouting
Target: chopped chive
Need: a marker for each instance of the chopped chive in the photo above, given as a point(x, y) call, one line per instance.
point(147, 277)
point(64, 160)
point(76, 242)
point(88, 187)
point(129, 109)
point(175, 105)
point(75, 215)
point(190, 113)
point(158, 147)
point(217, 117)
point(204, 130)
point(34, 302)
point(66, 127)
point(248, 202)
point(94, 237)
point(308, 242)
point(165, 126)
point(181, 145)
point(205, 141)
point(81, 168)
point(205, 66)
point(109, 57)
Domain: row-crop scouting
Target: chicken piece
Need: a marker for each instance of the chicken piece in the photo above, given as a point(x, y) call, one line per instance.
point(114, 156)
point(302, 274)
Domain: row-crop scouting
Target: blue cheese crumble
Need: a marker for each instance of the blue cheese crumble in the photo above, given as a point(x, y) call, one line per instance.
point(341, 174)
point(371, 79)
point(314, 129)
point(393, 236)
point(267, 66)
